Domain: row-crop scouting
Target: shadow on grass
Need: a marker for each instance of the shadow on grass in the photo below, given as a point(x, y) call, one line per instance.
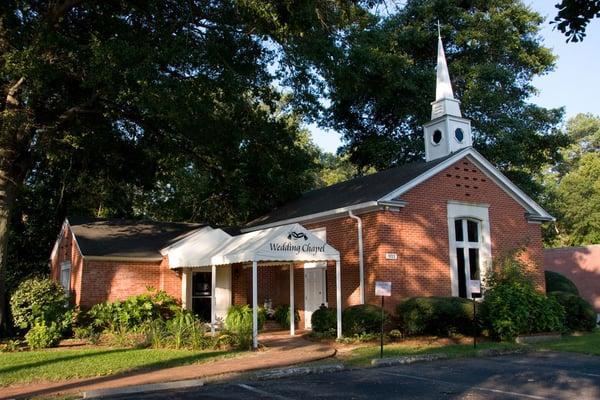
point(58, 359)
point(139, 370)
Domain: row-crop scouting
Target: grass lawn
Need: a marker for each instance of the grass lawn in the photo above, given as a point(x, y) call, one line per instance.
point(363, 355)
point(588, 343)
point(53, 364)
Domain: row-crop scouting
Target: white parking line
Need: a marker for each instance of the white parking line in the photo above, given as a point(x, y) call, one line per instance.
point(588, 374)
point(259, 391)
point(481, 389)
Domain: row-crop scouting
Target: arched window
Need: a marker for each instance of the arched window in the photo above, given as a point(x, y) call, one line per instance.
point(467, 233)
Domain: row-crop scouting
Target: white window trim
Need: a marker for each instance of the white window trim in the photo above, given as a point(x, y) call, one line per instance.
point(64, 266)
point(478, 212)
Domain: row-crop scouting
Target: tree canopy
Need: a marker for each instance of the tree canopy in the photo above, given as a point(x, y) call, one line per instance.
point(381, 89)
point(573, 186)
point(107, 100)
point(573, 17)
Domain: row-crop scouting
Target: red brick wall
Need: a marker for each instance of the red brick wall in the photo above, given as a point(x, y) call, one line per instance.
point(418, 234)
point(581, 265)
point(67, 250)
point(117, 280)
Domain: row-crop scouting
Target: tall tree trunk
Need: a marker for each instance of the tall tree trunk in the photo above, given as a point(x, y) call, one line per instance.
point(7, 200)
point(16, 134)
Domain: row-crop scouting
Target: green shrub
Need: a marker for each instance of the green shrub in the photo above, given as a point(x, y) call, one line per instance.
point(556, 282)
point(135, 312)
point(324, 320)
point(361, 319)
point(441, 316)
point(41, 335)
point(512, 306)
point(395, 334)
point(579, 314)
point(38, 299)
point(239, 322)
point(282, 315)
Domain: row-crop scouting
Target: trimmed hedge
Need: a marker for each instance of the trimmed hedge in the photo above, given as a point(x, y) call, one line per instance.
point(324, 320)
point(579, 314)
point(441, 316)
point(364, 318)
point(556, 282)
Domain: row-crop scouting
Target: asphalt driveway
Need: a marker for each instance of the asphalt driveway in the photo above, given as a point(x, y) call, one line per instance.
point(537, 376)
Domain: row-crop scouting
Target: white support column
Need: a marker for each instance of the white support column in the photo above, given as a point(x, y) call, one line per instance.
point(213, 299)
point(184, 289)
point(292, 314)
point(338, 297)
point(254, 305)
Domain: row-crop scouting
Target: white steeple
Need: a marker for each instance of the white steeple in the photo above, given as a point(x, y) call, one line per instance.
point(443, 88)
point(447, 131)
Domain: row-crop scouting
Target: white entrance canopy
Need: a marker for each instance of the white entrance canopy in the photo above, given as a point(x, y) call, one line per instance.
point(210, 246)
point(287, 243)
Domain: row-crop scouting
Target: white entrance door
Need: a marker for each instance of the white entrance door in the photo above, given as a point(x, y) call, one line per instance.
point(314, 292)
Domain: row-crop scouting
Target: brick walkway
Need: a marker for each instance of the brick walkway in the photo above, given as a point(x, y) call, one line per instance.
point(280, 350)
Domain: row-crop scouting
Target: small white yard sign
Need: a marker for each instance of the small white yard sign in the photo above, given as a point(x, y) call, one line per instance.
point(383, 288)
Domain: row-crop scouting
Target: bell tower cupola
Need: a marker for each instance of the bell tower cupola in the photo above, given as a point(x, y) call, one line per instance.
point(448, 131)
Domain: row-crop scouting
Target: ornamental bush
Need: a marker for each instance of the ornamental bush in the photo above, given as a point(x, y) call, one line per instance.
point(282, 315)
point(361, 319)
point(43, 335)
point(135, 312)
point(38, 299)
point(556, 282)
point(324, 320)
point(512, 305)
point(579, 314)
point(441, 316)
point(239, 322)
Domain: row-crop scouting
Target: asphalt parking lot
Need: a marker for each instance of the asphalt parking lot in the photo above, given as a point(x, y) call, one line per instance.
point(536, 376)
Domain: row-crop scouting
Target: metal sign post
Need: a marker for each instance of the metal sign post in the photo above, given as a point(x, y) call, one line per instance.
point(383, 289)
point(475, 287)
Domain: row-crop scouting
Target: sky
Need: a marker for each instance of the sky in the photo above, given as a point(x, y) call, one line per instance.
point(574, 84)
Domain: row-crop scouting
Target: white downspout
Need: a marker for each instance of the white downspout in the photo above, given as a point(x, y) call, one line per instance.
point(361, 262)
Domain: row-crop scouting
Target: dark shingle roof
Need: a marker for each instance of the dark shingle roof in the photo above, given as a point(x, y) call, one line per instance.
point(355, 191)
point(127, 238)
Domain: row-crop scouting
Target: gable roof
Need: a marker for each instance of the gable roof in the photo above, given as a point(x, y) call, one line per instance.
point(127, 238)
point(354, 192)
point(383, 188)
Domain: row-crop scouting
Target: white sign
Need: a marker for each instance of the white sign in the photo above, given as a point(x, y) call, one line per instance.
point(475, 286)
point(391, 256)
point(383, 288)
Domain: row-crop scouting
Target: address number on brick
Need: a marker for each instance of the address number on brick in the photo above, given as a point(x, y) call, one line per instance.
point(391, 256)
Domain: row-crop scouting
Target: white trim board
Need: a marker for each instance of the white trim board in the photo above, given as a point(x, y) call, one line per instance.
point(489, 170)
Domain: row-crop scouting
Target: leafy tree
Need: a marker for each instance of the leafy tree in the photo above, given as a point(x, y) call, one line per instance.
point(334, 169)
point(573, 17)
point(573, 186)
point(381, 90)
point(149, 78)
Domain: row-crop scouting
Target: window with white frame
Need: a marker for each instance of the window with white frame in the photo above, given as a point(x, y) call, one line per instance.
point(470, 246)
point(467, 247)
point(65, 276)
